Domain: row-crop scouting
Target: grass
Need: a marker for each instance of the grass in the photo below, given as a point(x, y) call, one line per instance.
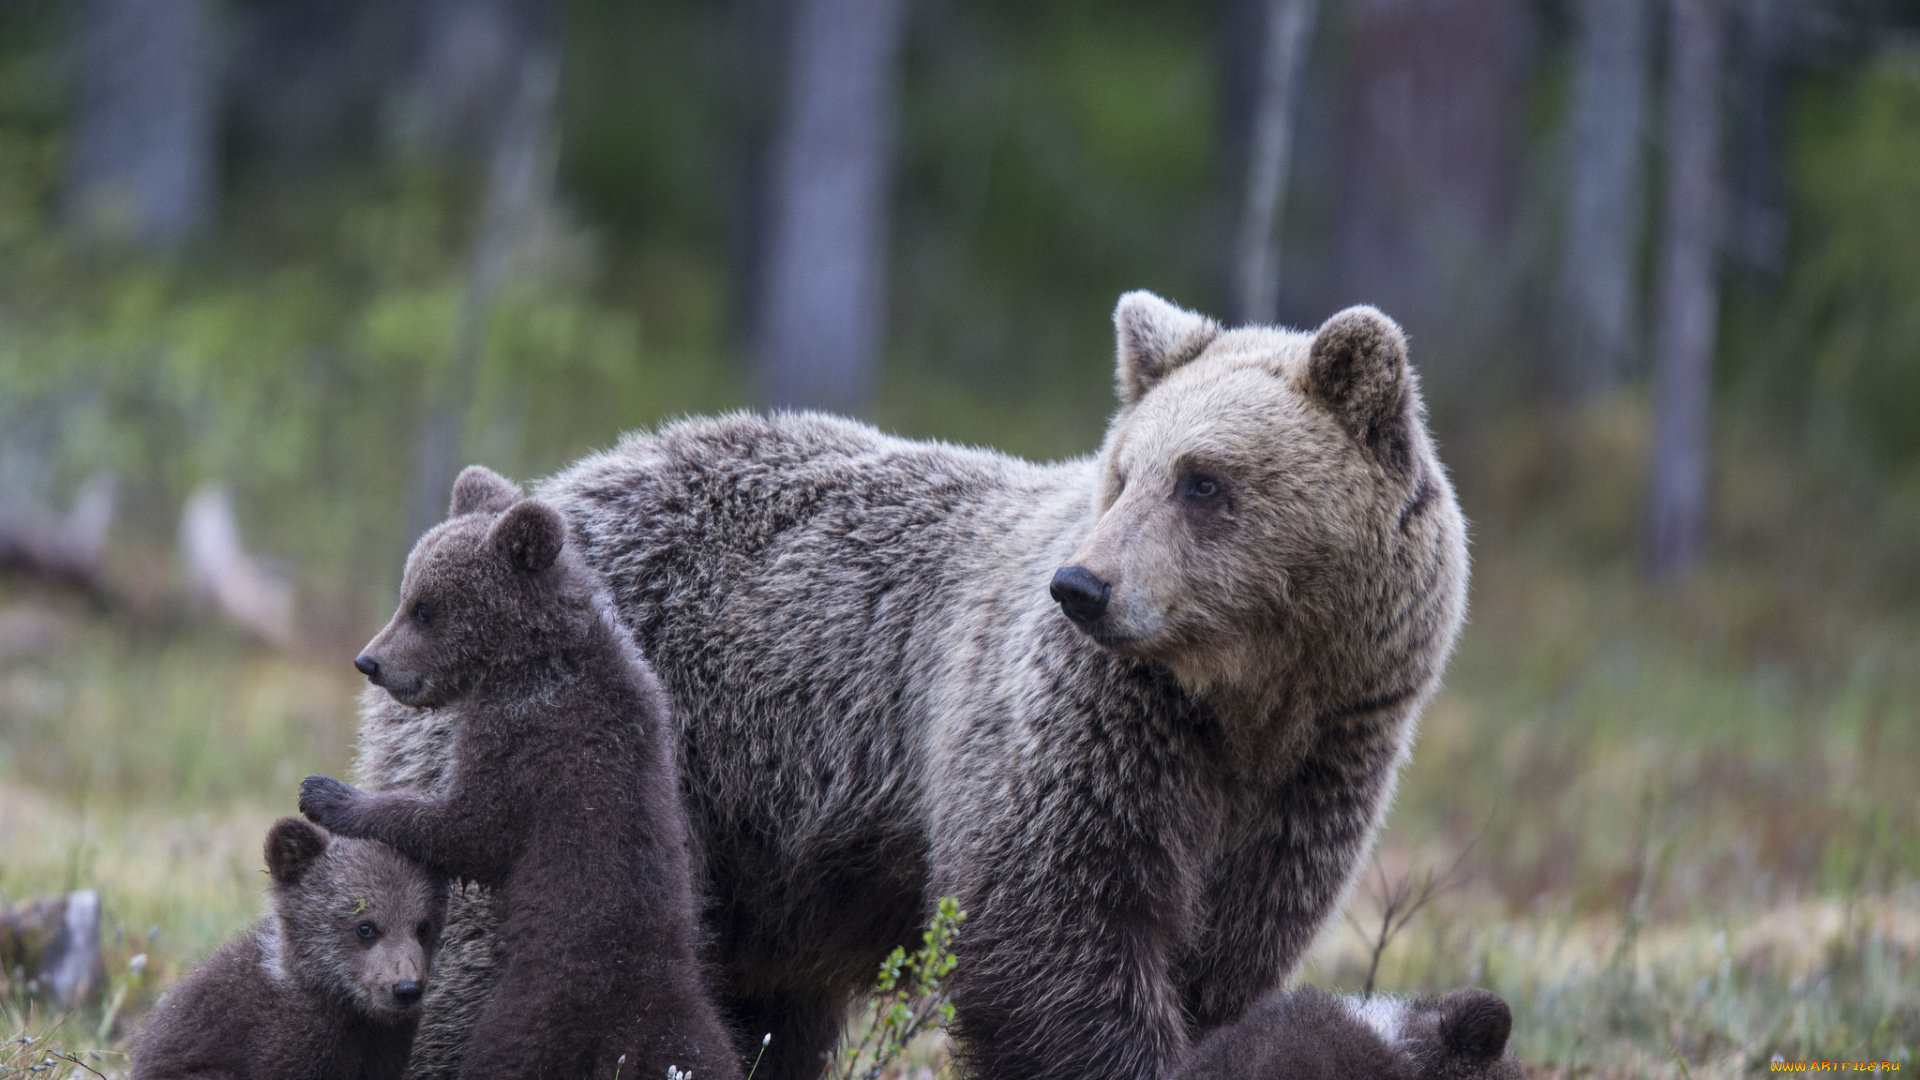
point(1697, 841)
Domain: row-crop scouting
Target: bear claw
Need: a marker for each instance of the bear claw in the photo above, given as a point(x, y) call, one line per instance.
point(325, 801)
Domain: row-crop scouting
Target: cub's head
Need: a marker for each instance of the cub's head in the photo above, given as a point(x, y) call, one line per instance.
point(1462, 1036)
point(1305, 1032)
point(481, 589)
point(1256, 487)
point(356, 920)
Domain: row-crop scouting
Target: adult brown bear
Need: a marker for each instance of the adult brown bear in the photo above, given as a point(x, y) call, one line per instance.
point(1141, 712)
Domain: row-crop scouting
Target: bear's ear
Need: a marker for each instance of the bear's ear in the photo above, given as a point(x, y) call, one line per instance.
point(1357, 369)
point(1475, 1024)
point(530, 534)
point(292, 846)
point(480, 489)
point(1154, 338)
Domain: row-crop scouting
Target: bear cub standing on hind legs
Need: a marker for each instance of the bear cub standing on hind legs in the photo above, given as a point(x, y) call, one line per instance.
point(562, 797)
point(327, 985)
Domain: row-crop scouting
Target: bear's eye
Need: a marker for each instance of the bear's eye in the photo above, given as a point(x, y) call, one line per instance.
point(423, 613)
point(424, 931)
point(1199, 487)
point(367, 931)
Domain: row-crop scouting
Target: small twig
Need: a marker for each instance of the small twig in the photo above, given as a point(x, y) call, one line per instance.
point(1400, 901)
point(71, 1056)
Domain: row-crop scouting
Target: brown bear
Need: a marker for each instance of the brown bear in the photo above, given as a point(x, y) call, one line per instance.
point(1141, 711)
point(1308, 1035)
point(561, 797)
point(327, 985)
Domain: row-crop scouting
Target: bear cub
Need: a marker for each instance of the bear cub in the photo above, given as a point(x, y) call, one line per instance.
point(562, 797)
point(1308, 1035)
point(326, 985)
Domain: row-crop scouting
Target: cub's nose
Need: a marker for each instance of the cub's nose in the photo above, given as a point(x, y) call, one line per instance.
point(366, 665)
point(1082, 595)
point(406, 993)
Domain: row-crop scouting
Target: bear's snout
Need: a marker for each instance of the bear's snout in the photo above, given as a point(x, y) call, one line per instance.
point(407, 992)
point(1080, 593)
point(366, 665)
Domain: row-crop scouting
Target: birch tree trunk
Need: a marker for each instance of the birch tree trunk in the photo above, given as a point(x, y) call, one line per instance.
point(143, 141)
point(1598, 305)
point(1689, 295)
point(520, 179)
point(821, 314)
point(1288, 26)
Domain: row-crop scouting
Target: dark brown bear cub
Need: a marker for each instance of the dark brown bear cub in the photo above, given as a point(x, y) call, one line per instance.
point(327, 985)
point(1307, 1035)
point(562, 797)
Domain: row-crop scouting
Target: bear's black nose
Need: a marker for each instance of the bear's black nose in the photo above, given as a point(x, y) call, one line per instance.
point(1082, 595)
point(406, 993)
point(366, 665)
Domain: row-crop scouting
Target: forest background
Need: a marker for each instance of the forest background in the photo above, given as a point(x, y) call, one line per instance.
point(271, 270)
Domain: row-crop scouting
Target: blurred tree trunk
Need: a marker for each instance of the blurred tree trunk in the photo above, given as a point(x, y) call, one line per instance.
point(821, 312)
point(1689, 296)
point(310, 79)
point(143, 137)
point(472, 59)
point(1430, 178)
point(1597, 277)
point(486, 88)
point(1764, 38)
point(1287, 26)
point(520, 180)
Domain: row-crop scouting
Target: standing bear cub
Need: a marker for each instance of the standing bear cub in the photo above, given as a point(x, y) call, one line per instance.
point(561, 798)
point(328, 985)
point(1140, 712)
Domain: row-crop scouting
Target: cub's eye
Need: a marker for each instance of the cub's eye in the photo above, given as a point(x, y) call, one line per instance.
point(424, 931)
point(423, 613)
point(1199, 487)
point(367, 931)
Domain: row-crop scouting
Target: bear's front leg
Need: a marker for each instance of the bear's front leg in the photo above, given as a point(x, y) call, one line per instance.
point(451, 836)
point(1078, 908)
point(1066, 995)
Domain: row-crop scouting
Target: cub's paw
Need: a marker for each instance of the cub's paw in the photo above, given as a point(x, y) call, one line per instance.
point(328, 802)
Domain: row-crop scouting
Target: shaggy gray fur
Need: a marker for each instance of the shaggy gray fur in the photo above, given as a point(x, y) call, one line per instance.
point(1148, 815)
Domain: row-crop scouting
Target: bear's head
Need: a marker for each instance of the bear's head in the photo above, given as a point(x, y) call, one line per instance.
point(1262, 494)
point(1462, 1036)
point(491, 586)
point(355, 920)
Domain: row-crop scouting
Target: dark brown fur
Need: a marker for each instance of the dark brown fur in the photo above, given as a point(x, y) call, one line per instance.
point(562, 798)
point(303, 994)
point(1307, 1035)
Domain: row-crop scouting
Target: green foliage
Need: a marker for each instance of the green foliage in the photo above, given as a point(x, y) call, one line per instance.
point(295, 369)
point(1839, 349)
point(908, 1000)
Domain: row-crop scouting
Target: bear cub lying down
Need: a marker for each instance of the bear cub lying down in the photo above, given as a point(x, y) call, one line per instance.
point(327, 985)
point(562, 797)
point(1307, 1035)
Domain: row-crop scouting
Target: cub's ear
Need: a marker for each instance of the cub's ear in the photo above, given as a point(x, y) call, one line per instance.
point(530, 534)
point(292, 846)
point(479, 489)
point(1475, 1024)
point(1154, 338)
point(1357, 369)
